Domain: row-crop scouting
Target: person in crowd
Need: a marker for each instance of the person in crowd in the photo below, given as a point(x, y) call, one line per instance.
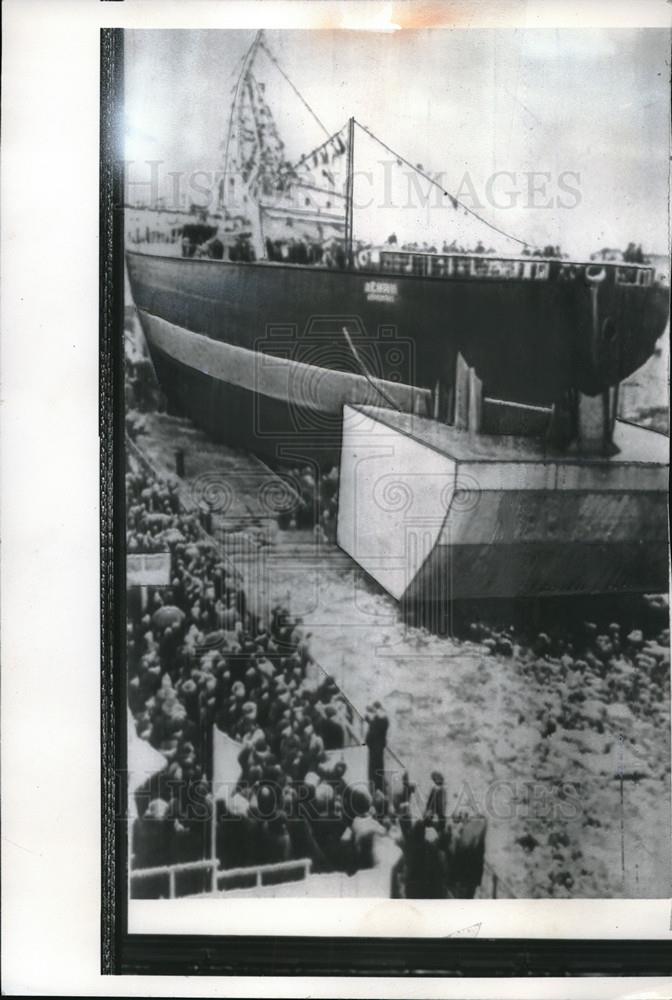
point(435, 809)
point(188, 247)
point(331, 730)
point(365, 828)
point(241, 249)
point(468, 855)
point(376, 741)
point(402, 797)
point(215, 248)
point(424, 860)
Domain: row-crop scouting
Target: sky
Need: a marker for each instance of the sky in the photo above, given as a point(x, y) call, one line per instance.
point(553, 136)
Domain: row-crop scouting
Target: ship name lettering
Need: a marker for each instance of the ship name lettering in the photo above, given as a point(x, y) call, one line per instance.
point(380, 291)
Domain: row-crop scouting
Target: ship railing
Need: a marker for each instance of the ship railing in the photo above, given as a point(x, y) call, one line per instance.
point(168, 882)
point(430, 265)
point(425, 264)
point(166, 878)
point(633, 274)
point(259, 876)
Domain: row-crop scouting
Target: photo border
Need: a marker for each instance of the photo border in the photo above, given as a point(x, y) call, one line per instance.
point(178, 954)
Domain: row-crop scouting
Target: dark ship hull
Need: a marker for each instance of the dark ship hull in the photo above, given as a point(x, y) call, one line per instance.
point(256, 355)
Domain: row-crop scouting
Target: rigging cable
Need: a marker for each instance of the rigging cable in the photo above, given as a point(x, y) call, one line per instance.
point(365, 372)
point(327, 141)
point(262, 45)
point(247, 59)
point(431, 180)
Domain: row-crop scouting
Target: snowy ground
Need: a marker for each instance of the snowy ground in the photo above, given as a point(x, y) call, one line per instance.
point(536, 742)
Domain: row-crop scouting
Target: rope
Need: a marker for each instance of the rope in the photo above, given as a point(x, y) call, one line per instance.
point(262, 45)
point(313, 152)
point(247, 60)
point(431, 180)
point(362, 367)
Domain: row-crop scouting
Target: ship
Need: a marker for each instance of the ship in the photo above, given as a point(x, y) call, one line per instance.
point(263, 332)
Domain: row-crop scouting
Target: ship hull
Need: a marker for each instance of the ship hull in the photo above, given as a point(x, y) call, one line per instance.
point(284, 410)
point(282, 367)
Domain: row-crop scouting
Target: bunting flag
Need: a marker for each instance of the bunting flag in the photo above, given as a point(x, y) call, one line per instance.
point(226, 770)
point(256, 154)
point(143, 762)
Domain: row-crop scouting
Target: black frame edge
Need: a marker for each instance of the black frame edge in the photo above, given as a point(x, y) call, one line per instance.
point(111, 426)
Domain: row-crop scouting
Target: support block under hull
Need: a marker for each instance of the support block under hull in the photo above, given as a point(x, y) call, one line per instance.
point(437, 514)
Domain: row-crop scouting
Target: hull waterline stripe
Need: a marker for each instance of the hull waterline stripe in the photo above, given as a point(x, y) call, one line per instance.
point(278, 378)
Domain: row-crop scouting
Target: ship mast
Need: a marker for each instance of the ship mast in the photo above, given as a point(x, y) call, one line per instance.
point(259, 184)
point(248, 59)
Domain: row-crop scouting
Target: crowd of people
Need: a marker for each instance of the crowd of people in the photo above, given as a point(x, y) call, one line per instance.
point(633, 254)
point(201, 240)
point(198, 658)
point(293, 250)
point(304, 251)
point(317, 506)
point(331, 253)
point(446, 247)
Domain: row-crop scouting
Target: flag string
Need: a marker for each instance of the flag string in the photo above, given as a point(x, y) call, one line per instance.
point(262, 45)
point(454, 201)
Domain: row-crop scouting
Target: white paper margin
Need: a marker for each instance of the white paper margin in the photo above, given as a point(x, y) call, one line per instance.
point(50, 519)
